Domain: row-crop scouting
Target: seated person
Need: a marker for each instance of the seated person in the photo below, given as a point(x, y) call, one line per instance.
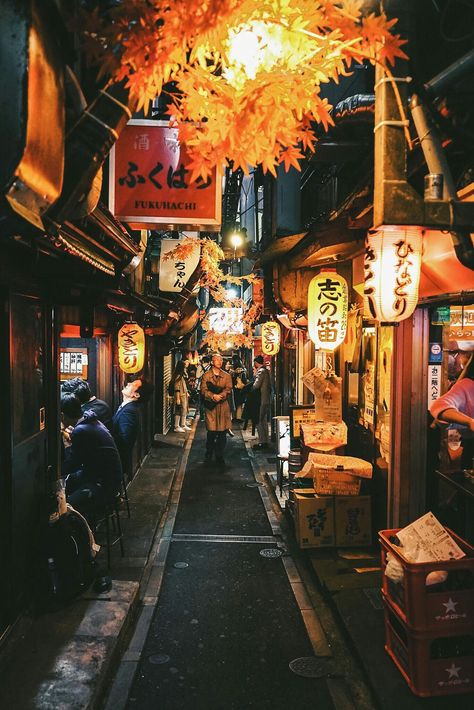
point(91, 466)
point(89, 402)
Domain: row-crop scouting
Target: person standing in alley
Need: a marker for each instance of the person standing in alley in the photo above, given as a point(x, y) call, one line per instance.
point(239, 381)
point(263, 384)
point(126, 420)
point(202, 367)
point(179, 387)
point(216, 385)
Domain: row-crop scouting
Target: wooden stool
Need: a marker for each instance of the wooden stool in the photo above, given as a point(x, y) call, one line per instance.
point(110, 514)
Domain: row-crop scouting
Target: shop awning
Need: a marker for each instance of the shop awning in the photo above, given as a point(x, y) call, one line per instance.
point(330, 243)
point(442, 274)
point(98, 239)
point(279, 247)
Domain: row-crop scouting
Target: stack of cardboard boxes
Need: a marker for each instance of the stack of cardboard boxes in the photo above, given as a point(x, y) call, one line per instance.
point(324, 517)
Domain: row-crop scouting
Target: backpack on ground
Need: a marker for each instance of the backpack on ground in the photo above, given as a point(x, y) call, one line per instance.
point(68, 564)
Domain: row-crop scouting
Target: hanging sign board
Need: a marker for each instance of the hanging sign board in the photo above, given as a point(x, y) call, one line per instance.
point(434, 383)
point(441, 315)
point(369, 393)
point(300, 414)
point(436, 353)
point(226, 320)
point(461, 326)
point(328, 397)
point(149, 182)
point(175, 273)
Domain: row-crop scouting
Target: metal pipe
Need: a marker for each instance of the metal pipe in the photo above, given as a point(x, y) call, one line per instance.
point(456, 70)
point(430, 142)
point(436, 161)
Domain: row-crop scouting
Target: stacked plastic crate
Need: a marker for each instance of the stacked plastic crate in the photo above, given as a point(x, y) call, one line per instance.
point(429, 628)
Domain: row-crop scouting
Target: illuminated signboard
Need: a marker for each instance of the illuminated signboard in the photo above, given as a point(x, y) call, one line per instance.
point(150, 184)
point(226, 320)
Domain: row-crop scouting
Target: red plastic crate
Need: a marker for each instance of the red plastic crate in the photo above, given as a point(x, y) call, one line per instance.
point(426, 676)
point(421, 607)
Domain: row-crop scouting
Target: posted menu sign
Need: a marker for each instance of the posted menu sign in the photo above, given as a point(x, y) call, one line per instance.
point(149, 182)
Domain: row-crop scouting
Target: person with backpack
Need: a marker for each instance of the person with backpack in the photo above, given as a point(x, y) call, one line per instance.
point(179, 388)
point(91, 466)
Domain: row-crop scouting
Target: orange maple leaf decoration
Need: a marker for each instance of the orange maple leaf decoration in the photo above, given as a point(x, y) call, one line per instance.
point(213, 278)
point(252, 108)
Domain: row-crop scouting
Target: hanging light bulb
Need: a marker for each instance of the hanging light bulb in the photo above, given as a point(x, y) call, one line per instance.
point(392, 268)
point(327, 309)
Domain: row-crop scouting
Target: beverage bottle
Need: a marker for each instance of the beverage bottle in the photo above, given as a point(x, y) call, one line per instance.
point(53, 576)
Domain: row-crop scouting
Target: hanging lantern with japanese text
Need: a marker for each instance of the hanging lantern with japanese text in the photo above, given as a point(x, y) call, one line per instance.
point(270, 338)
point(327, 309)
point(131, 347)
point(392, 268)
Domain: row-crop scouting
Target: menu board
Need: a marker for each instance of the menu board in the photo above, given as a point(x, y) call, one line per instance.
point(300, 414)
point(73, 362)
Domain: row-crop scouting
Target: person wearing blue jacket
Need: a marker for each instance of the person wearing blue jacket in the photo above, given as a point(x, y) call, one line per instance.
point(91, 466)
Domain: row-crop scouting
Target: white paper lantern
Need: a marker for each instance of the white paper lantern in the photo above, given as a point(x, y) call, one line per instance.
point(327, 309)
point(392, 272)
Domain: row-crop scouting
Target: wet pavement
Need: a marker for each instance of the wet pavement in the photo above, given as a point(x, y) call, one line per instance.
point(227, 624)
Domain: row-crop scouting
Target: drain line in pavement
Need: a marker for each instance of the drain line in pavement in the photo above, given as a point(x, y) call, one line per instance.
point(252, 539)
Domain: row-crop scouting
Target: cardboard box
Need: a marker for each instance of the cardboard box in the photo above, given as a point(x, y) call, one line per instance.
point(353, 521)
point(314, 524)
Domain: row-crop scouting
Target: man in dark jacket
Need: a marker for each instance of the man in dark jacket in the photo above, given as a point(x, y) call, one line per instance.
point(89, 402)
point(91, 466)
point(262, 383)
point(126, 420)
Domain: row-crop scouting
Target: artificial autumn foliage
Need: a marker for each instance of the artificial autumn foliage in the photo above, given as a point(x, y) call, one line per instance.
point(246, 74)
point(213, 278)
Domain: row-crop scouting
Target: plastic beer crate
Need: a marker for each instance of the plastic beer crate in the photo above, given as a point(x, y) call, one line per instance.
point(431, 608)
point(432, 664)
